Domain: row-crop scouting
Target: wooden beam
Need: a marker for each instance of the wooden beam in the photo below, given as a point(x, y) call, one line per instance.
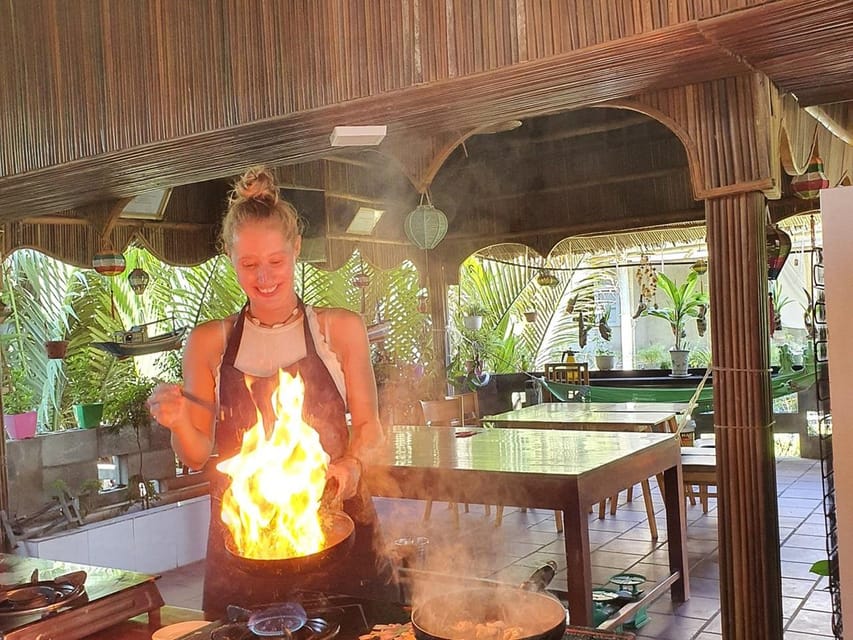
point(630, 177)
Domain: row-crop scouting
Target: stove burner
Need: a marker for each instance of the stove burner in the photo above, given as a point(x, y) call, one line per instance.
point(232, 631)
point(41, 596)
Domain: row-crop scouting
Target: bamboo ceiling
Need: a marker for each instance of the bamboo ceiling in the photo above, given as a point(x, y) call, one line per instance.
point(101, 101)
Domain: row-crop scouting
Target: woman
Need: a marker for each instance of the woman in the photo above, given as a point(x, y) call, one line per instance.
point(328, 348)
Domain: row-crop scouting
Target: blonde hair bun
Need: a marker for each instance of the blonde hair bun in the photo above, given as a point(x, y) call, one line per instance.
point(258, 183)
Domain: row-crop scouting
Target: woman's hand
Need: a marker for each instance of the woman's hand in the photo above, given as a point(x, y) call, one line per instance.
point(347, 472)
point(169, 407)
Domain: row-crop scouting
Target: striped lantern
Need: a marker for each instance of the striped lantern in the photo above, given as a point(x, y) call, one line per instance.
point(808, 185)
point(108, 263)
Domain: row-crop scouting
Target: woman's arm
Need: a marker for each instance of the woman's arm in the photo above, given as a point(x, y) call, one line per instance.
point(192, 423)
point(347, 337)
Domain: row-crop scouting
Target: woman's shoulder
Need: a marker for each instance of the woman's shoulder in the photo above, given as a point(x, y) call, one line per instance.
point(336, 313)
point(212, 332)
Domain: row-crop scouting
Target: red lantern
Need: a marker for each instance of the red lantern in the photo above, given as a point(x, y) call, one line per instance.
point(109, 263)
point(808, 185)
point(778, 248)
point(138, 280)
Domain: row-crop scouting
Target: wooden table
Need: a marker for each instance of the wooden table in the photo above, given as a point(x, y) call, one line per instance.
point(577, 416)
point(568, 471)
point(637, 407)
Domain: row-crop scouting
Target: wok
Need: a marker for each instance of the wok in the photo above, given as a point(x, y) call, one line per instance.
point(539, 615)
point(339, 531)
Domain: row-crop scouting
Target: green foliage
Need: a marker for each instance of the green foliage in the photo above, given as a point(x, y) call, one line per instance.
point(21, 397)
point(684, 303)
point(821, 568)
point(127, 406)
point(652, 357)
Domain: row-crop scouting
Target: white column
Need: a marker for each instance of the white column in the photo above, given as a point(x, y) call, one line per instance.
point(626, 323)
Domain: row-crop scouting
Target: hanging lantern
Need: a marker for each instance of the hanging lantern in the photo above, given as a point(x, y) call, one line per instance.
point(361, 280)
point(808, 185)
point(108, 263)
point(778, 248)
point(700, 267)
point(423, 302)
point(425, 226)
point(138, 280)
point(546, 279)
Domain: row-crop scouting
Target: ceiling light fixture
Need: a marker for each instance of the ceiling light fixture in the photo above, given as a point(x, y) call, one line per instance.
point(358, 136)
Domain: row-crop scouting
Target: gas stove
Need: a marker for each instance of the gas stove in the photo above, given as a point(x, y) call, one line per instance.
point(337, 617)
point(51, 600)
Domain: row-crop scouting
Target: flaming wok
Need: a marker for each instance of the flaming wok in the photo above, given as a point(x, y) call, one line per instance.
point(339, 532)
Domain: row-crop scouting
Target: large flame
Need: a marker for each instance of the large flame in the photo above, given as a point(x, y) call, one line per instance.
point(272, 504)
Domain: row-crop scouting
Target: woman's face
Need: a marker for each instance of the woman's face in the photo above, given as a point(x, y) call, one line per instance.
point(264, 261)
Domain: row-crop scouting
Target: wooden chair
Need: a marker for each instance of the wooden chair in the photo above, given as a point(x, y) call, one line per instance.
point(567, 373)
point(698, 464)
point(446, 412)
point(470, 408)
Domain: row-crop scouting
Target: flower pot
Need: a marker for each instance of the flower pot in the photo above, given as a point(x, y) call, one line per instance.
point(56, 349)
point(473, 323)
point(605, 362)
point(531, 316)
point(88, 415)
point(20, 425)
point(679, 362)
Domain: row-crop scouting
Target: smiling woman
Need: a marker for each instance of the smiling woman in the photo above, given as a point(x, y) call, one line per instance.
point(234, 365)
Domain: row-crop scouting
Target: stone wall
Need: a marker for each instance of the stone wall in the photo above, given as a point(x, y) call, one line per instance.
point(35, 465)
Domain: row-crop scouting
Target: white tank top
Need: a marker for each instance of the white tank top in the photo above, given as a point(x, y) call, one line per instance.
point(263, 351)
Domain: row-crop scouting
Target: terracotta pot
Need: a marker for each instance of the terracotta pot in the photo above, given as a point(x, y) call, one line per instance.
point(56, 349)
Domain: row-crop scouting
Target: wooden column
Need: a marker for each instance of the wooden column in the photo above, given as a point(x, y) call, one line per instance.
point(750, 572)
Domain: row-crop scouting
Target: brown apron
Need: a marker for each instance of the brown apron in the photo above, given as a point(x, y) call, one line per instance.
point(324, 409)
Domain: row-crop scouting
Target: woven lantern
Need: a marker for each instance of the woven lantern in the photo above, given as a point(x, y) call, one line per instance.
point(138, 280)
point(361, 280)
point(700, 267)
point(808, 185)
point(108, 263)
point(423, 302)
point(546, 279)
point(425, 226)
point(778, 248)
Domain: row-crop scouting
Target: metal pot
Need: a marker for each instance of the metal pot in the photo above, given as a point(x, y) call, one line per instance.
point(339, 530)
point(539, 615)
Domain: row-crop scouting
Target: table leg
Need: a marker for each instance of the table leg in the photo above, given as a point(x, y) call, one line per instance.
point(578, 563)
point(676, 531)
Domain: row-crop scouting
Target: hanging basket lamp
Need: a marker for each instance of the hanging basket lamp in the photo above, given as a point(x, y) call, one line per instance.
point(546, 279)
point(138, 280)
point(425, 226)
point(700, 267)
point(778, 248)
point(361, 280)
point(423, 302)
point(808, 185)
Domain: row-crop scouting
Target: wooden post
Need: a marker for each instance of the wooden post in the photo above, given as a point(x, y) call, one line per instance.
point(750, 571)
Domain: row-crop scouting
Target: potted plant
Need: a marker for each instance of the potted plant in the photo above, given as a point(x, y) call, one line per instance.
point(472, 316)
point(605, 358)
point(684, 303)
point(19, 414)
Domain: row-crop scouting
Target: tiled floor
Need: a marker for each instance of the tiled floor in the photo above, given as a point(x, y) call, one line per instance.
point(620, 543)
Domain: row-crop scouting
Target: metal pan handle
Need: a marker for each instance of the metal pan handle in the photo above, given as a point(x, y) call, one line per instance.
point(541, 578)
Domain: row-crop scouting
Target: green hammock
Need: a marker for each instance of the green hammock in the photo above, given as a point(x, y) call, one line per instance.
point(782, 384)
